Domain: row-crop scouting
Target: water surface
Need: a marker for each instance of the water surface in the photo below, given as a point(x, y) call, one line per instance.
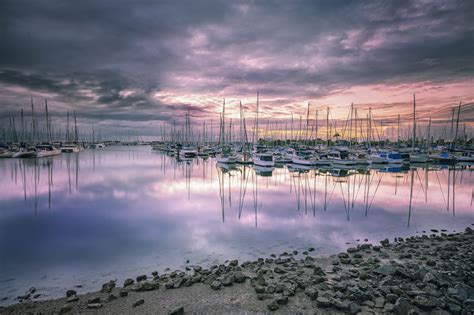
point(86, 218)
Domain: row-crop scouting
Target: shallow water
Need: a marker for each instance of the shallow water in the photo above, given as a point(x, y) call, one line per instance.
point(86, 218)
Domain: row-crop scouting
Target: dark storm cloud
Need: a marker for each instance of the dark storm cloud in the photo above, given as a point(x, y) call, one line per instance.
point(111, 58)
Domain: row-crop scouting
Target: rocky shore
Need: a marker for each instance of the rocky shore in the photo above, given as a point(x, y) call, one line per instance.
point(428, 274)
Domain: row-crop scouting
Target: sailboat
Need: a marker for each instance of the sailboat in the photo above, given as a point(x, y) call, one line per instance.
point(418, 157)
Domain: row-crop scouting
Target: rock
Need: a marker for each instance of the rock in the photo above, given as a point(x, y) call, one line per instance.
point(279, 270)
point(234, 263)
point(32, 290)
point(24, 297)
point(391, 298)
point(273, 305)
point(108, 287)
point(379, 302)
point(72, 298)
point(402, 306)
point(352, 250)
point(216, 285)
point(425, 303)
point(311, 292)
point(260, 289)
point(147, 286)
point(94, 306)
point(354, 308)
point(95, 300)
point(37, 295)
point(65, 309)
point(385, 242)
point(282, 300)
point(111, 297)
point(323, 302)
point(70, 293)
point(239, 277)
point(138, 303)
point(386, 270)
point(197, 268)
point(141, 278)
point(123, 293)
point(177, 311)
point(311, 249)
point(363, 275)
point(128, 282)
point(228, 280)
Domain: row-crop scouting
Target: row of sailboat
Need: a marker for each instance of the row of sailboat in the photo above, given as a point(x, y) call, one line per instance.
point(311, 153)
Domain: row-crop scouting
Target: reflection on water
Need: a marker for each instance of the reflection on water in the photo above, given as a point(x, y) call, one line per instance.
point(88, 217)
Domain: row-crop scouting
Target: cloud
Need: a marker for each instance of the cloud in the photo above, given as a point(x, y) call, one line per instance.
point(109, 60)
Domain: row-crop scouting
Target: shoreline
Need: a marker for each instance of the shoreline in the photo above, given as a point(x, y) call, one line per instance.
point(429, 274)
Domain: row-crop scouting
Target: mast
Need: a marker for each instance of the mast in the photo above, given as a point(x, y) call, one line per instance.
point(327, 126)
point(307, 125)
point(76, 135)
point(22, 127)
point(67, 128)
point(256, 121)
point(316, 136)
point(48, 132)
point(398, 131)
point(452, 123)
point(350, 126)
point(457, 126)
point(414, 124)
point(33, 121)
point(428, 138)
point(369, 134)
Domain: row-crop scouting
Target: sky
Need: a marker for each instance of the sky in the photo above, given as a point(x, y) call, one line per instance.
point(136, 65)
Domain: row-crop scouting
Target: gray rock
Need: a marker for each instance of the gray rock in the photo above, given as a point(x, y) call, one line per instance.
point(239, 277)
point(281, 300)
point(228, 280)
point(24, 297)
point(108, 287)
point(65, 309)
point(177, 311)
point(123, 293)
point(379, 302)
point(234, 263)
point(354, 308)
point(311, 292)
point(70, 293)
point(323, 302)
point(128, 282)
point(273, 305)
point(147, 286)
point(260, 289)
point(386, 270)
point(95, 300)
point(138, 303)
point(141, 278)
point(402, 306)
point(72, 298)
point(216, 285)
point(279, 270)
point(425, 303)
point(94, 306)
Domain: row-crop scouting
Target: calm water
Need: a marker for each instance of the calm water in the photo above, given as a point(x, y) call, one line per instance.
point(118, 212)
